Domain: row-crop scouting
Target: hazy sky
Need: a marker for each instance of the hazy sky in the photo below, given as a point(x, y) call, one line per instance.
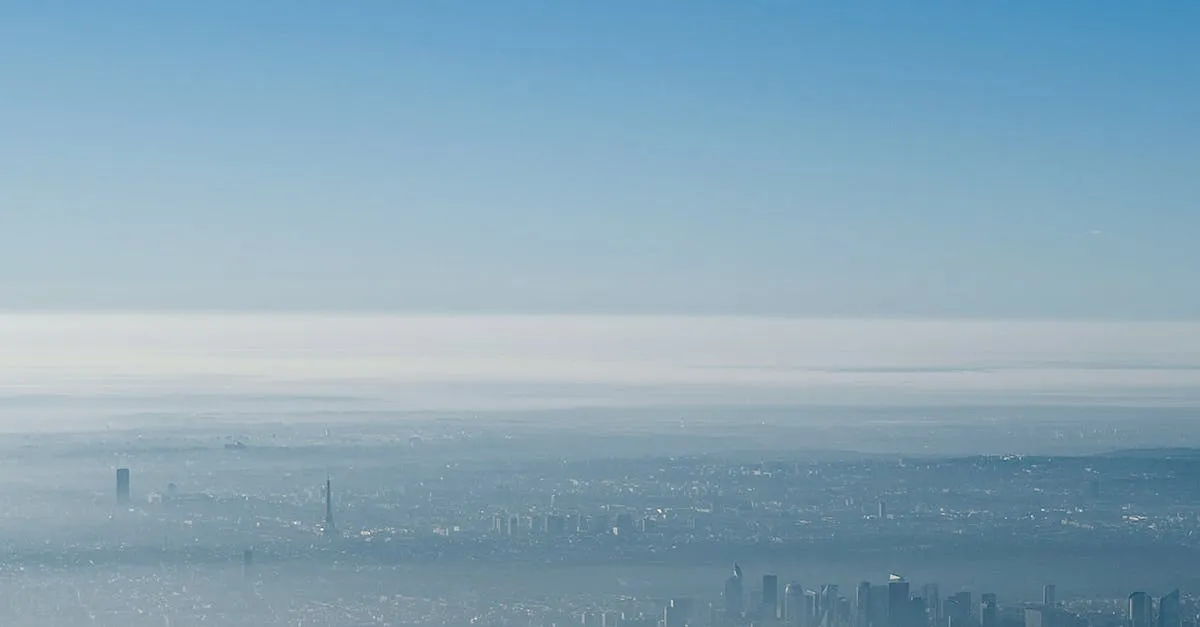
point(815, 158)
point(393, 363)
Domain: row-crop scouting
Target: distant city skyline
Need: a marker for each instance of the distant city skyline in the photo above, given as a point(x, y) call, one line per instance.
point(796, 159)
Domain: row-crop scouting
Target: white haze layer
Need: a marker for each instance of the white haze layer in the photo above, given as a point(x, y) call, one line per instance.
point(161, 362)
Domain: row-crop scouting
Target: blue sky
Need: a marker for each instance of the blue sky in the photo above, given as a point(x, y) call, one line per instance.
point(1009, 159)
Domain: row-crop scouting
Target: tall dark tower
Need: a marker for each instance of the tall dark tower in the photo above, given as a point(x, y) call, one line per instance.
point(770, 597)
point(328, 505)
point(122, 486)
point(898, 612)
point(1141, 610)
point(1169, 610)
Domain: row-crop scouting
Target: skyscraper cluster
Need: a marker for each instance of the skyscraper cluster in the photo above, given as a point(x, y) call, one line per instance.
point(895, 605)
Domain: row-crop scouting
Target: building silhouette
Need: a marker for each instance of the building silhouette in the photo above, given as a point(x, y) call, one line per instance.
point(1049, 592)
point(1141, 612)
point(1169, 614)
point(933, 603)
point(862, 605)
point(122, 486)
point(958, 609)
point(676, 613)
point(898, 607)
point(328, 506)
point(770, 597)
point(829, 608)
point(734, 595)
point(989, 610)
point(794, 612)
point(879, 605)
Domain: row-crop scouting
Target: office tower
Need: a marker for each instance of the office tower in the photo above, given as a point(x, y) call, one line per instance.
point(770, 596)
point(829, 606)
point(122, 486)
point(989, 610)
point(1140, 610)
point(844, 612)
point(812, 607)
point(882, 510)
point(734, 595)
point(794, 605)
point(958, 610)
point(328, 506)
point(1037, 617)
point(879, 606)
point(862, 605)
point(933, 603)
point(247, 562)
point(1169, 614)
point(1048, 594)
point(917, 612)
point(676, 613)
point(898, 605)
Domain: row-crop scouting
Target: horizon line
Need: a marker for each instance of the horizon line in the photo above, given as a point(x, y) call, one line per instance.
point(395, 312)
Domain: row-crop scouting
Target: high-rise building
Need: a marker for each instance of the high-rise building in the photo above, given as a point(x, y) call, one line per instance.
point(770, 597)
point(844, 612)
point(328, 506)
point(862, 605)
point(247, 562)
point(917, 612)
point(1036, 616)
point(1140, 611)
point(898, 605)
point(734, 596)
point(1169, 614)
point(882, 509)
point(1048, 595)
point(879, 606)
point(829, 606)
point(989, 610)
point(122, 486)
point(794, 606)
point(933, 603)
point(676, 613)
point(958, 610)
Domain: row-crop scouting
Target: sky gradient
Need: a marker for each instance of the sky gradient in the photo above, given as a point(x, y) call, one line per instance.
point(1015, 159)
